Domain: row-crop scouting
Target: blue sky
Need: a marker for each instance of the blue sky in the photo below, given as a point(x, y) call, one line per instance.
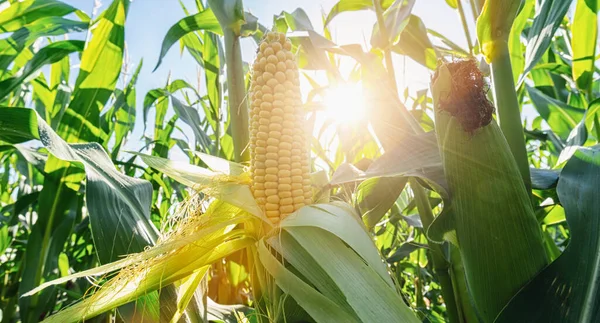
point(149, 20)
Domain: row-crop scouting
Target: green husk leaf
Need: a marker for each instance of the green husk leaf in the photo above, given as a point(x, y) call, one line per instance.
point(341, 220)
point(320, 308)
point(368, 294)
point(230, 189)
point(493, 215)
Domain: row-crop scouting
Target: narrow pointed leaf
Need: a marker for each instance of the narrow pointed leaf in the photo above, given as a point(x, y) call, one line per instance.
point(567, 290)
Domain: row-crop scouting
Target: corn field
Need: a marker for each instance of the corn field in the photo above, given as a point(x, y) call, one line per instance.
point(315, 181)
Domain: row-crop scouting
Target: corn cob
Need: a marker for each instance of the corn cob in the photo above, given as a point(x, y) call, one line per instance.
point(279, 153)
point(499, 237)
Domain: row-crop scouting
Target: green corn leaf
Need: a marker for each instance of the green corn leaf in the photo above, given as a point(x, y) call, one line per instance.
point(415, 155)
point(230, 14)
point(585, 34)
point(376, 196)
point(353, 5)
point(100, 69)
point(120, 205)
point(125, 112)
point(159, 98)
point(561, 117)
point(16, 45)
point(190, 116)
point(212, 55)
point(405, 250)
point(556, 68)
point(515, 47)
point(453, 46)
point(298, 20)
point(106, 185)
point(23, 13)
point(48, 55)
point(545, 24)
point(543, 179)
point(415, 43)
point(566, 291)
point(395, 19)
point(17, 132)
point(204, 20)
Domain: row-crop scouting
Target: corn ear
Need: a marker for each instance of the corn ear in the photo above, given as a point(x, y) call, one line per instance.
point(499, 238)
point(279, 163)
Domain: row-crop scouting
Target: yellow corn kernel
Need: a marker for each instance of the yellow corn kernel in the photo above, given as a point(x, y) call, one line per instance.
point(286, 201)
point(273, 199)
point(273, 214)
point(285, 187)
point(281, 56)
point(271, 178)
point(268, 52)
point(279, 163)
point(271, 206)
point(282, 67)
point(286, 209)
point(271, 68)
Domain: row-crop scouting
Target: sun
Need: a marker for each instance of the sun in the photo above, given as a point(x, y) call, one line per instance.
point(345, 103)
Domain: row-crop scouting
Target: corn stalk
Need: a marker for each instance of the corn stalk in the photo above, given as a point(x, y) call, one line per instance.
point(230, 15)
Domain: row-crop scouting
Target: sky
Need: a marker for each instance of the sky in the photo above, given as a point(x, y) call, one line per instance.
point(149, 20)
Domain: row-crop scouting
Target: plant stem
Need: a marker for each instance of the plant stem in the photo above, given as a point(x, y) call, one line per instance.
point(466, 310)
point(474, 10)
point(508, 110)
point(463, 20)
point(236, 90)
point(387, 53)
point(477, 6)
point(440, 265)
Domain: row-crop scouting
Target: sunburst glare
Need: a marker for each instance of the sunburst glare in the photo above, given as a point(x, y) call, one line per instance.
point(345, 103)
